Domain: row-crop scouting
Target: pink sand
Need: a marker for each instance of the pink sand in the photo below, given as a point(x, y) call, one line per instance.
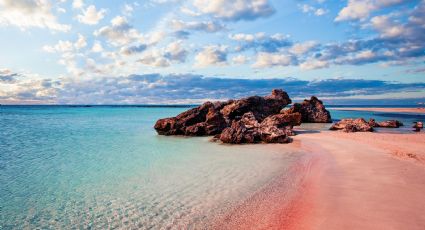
point(348, 181)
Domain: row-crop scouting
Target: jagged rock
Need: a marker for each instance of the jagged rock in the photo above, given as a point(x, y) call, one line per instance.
point(273, 129)
point(352, 125)
point(212, 118)
point(273, 134)
point(261, 107)
point(244, 130)
point(385, 124)
point(418, 126)
point(200, 121)
point(312, 111)
point(282, 120)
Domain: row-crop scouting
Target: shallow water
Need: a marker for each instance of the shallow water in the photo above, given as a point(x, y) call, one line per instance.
point(105, 167)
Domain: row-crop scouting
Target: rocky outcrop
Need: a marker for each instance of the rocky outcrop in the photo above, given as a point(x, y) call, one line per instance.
point(200, 121)
point(240, 118)
point(312, 111)
point(273, 129)
point(352, 125)
point(245, 130)
point(261, 107)
point(385, 124)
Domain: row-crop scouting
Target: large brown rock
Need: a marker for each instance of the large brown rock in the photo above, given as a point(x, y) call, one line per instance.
point(200, 121)
point(352, 125)
point(273, 129)
point(261, 107)
point(212, 118)
point(244, 130)
point(385, 124)
point(312, 111)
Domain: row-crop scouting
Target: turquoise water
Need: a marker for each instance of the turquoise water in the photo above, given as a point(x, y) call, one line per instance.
point(105, 167)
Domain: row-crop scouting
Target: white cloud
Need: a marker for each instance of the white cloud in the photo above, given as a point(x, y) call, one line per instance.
point(154, 59)
point(189, 12)
point(81, 42)
point(77, 4)
point(305, 8)
point(127, 9)
point(386, 27)
point(247, 37)
point(207, 26)
point(119, 32)
point(27, 14)
point(240, 59)
point(97, 47)
point(302, 48)
point(320, 12)
point(361, 9)
point(175, 51)
point(91, 16)
point(211, 55)
point(270, 60)
point(314, 64)
point(66, 46)
point(235, 10)
point(61, 46)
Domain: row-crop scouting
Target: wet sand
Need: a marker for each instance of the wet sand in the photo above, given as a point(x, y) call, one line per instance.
point(347, 181)
point(391, 110)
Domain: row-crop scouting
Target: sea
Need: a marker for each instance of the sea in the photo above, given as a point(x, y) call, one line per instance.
point(104, 167)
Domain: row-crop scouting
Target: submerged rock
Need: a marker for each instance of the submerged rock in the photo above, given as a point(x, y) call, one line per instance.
point(312, 111)
point(352, 125)
point(385, 124)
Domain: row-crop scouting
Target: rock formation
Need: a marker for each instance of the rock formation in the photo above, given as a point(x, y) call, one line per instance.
point(385, 124)
point(312, 111)
point(352, 125)
point(273, 129)
point(212, 118)
point(418, 126)
point(248, 120)
point(200, 121)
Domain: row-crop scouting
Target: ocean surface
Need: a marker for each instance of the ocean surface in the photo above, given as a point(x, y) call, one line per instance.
point(76, 167)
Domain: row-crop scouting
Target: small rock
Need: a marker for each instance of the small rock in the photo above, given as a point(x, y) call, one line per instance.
point(352, 125)
point(385, 124)
point(418, 126)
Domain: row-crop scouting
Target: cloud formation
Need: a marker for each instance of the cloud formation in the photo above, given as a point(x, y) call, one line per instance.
point(168, 89)
point(235, 10)
point(91, 16)
point(30, 13)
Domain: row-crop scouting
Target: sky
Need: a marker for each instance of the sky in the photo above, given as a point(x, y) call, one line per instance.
point(190, 51)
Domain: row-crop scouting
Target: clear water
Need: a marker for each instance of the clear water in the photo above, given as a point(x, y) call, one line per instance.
point(105, 167)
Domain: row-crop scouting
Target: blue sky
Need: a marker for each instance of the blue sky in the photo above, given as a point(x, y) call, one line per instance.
point(82, 51)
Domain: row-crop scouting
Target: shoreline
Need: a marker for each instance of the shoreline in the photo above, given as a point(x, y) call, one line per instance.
point(353, 180)
point(378, 109)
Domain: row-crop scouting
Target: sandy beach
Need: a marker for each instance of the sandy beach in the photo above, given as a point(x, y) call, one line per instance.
point(390, 110)
point(348, 181)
